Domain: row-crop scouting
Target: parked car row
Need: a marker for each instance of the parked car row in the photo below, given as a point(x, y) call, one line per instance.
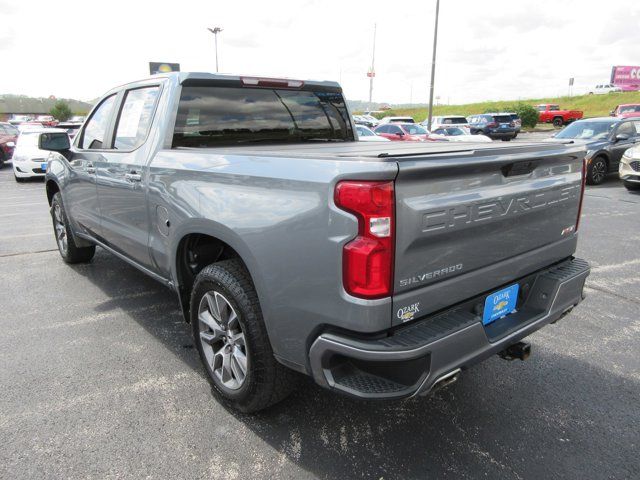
point(504, 126)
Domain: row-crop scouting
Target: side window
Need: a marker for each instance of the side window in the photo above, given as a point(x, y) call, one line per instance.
point(627, 128)
point(96, 127)
point(394, 129)
point(383, 129)
point(135, 118)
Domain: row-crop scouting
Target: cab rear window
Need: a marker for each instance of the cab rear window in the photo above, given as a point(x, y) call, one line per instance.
point(213, 116)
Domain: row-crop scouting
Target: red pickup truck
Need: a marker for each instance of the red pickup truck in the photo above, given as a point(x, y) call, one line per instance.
point(551, 113)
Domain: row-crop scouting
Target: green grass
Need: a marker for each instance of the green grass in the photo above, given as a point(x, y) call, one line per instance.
point(591, 105)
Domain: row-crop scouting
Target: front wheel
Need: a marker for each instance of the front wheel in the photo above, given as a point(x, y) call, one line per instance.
point(596, 171)
point(558, 122)
point(67, 247)
point(633, 187)
point(229, 332)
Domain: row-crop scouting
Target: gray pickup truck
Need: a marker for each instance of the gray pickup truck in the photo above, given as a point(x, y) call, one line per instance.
point(381, 270)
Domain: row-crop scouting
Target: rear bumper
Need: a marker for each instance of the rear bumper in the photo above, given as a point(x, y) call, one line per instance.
point(411, 359)
point(501, 134)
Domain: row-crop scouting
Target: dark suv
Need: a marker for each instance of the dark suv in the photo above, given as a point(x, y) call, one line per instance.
point(493, 125)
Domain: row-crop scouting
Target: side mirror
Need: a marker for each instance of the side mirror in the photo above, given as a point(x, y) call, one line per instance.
point(621, 137)
point(54, 142)
point(612, 113)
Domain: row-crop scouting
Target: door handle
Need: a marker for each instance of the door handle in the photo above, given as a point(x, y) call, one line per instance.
point(133, 177)
point(90, 168)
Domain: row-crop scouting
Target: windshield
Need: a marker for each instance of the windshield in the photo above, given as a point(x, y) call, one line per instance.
point(630, 109)
point(28, 139)
point(364, 132)
point(587, 130)
point(414, 130)
point(454, 120)
point(450, 132)
point(212, 116)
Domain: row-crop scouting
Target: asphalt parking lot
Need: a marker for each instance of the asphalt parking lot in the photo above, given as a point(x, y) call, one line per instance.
point(99, 379)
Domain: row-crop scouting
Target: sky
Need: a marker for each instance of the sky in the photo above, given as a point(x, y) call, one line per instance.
point(500, 49)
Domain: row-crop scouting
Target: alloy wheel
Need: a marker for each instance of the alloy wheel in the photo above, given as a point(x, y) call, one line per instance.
point(60, 228)
point(222, 340)
point(598, 171)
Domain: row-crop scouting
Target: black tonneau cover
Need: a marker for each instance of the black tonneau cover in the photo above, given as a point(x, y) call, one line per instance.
point(378, 150)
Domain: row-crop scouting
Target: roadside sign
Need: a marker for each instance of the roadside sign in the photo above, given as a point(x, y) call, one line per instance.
point(571, 82)
point(163, 67)
point(371, 73)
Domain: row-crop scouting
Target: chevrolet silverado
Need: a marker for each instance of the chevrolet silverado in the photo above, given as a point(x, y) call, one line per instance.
point(381, 270)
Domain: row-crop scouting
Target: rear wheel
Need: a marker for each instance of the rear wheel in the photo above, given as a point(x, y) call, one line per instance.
point(558, 122)
point(229, 332)
point(2, 159)
point(632, 186)
point(67, 247)
point(597, 171)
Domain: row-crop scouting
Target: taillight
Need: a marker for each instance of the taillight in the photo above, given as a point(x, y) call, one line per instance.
point(582, 187)
point(367, 260)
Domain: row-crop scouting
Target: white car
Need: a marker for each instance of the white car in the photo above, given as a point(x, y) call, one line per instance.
point(604, 88)
point(30, 127)
point(28, 160)
point(629, 168)
point(367, 135)
point(386, 120)
point(447, 121)
point(459, 134)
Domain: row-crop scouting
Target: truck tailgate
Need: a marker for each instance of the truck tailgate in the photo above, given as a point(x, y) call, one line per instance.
point(471, 222)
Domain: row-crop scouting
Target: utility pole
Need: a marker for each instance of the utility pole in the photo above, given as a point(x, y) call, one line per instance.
point(372, 72)
point(216, 31)
point(433, 66)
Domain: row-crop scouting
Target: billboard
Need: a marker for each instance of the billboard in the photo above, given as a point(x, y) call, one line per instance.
point(626, 77)
point(162, 67)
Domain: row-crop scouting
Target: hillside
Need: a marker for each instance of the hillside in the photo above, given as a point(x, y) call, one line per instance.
point(591, 105)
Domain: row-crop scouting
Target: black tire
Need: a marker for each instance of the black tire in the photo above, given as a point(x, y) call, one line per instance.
point(67, 247)
point(2, 159)
point(266, 381)
point(558, 122)
point(632, 187)
point(597, 171)
point(506, 139)
point(18, 179)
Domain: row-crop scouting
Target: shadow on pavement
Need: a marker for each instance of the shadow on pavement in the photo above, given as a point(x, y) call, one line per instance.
point(549, 417)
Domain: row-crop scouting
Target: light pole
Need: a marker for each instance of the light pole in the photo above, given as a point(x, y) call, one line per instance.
point(372, 70)
point(433, 66)
point(216, 31)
